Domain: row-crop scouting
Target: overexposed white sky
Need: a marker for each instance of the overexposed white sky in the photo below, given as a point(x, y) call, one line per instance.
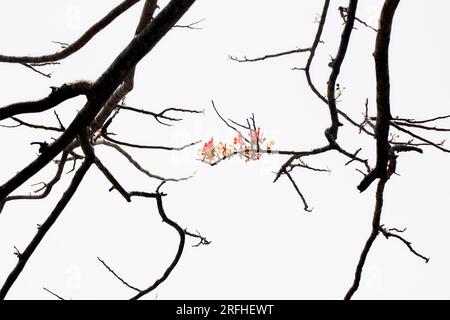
point(264, 246)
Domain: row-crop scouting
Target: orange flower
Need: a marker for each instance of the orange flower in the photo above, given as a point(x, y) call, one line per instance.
point(270, 144)
point(222, 149)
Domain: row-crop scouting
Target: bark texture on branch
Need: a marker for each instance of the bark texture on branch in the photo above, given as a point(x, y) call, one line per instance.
point(384, 117)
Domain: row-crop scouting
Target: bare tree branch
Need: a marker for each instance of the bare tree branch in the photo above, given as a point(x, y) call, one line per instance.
point(104, 87)
point(31, 125)
point(332, 132)
point(192, 25)
point(58, 95)
point(388, 233)
point(47, 186)
point(381, 132)
point(45, 227)
point(53, 294)
point(384, 117)
point(161, 115)
point(117, 276)
point(270, 56)
point(136, 164)
point(181, 233)
point(305, 204)
point(202, 239)
point(77, 45)
point(373, 235)
point(317, 40)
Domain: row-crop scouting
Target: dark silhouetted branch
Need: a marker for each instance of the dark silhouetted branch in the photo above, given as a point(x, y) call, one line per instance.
point(29, 66)
point(47, 186)
point(31, 125)
point(104, 87)
point(161, 115)
point(192, 25)
point(45, 227)
point(388, 233)
point(90, 153)
point(158, 196)
point(58, 95)
point(373, 235)
point(77, 45)
point(202, 239)
point(305, 204)
point(136, 164)
point(53, 294)
point(427, 142)
point(384, 117)
point(270, 56)
point(332, 132)
point(117, 276)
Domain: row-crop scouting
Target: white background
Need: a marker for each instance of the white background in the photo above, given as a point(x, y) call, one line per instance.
point(264, 246)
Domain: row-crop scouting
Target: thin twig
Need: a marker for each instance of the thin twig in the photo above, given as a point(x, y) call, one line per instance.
point(202, 240)
point(117, 276)
point(270, 56)
point(226, 122)
point(192, 25)
point(305, 204)
point(53, 294)
point(387, 233)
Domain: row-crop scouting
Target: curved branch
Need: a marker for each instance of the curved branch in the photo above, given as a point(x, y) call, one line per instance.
point(160, 115)
point(388, 233)
point(77, 45)
point(177, 257)
point(136, 164)
point(31, 125)
point(48, 186)
point(58, 95)
point(316, 42)
point(141, 146)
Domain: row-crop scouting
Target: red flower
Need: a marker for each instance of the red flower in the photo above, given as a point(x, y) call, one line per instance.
point(256, 136)
point(209, 145)
point(223, 149)
point(208, 152)
point(238, 140)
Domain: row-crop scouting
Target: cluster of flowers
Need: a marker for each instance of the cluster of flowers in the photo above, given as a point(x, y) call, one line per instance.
point(249, 149)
